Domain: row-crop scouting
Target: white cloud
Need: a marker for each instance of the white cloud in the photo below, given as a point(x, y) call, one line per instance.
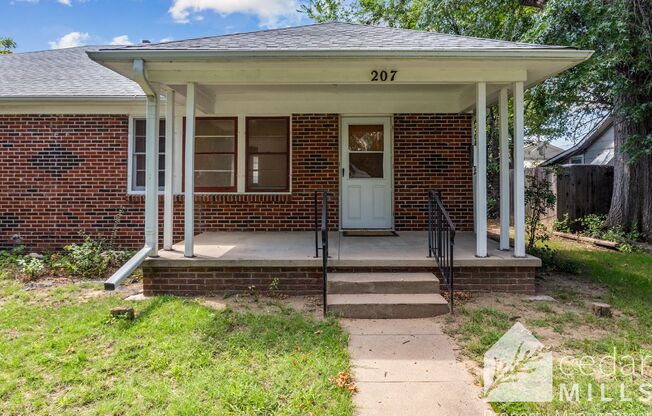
point(65, 2)
point(271, 13)
point(70, 40)
point(166, 39)
point(121, 40)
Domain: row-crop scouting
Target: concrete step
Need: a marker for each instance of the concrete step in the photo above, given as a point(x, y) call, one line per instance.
point(387, 305)
point(358, 283)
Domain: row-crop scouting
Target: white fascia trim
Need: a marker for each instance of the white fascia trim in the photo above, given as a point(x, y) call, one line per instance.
point(207, 55)
point(71, 98)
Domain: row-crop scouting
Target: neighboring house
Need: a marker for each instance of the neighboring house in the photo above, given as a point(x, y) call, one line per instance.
point(596, 148)
point(537, 153)
point(251, 125)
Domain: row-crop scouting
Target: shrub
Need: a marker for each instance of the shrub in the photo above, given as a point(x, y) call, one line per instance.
point(563, 225)
point(31, 267)
point(87, 260)
point(9, 258)
point(551, 260)
point(539, 198)
point(592, 225)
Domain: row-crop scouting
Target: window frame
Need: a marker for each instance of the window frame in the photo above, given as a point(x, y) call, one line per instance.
point(212, 189)
point(287, 155)
point(131, 147)
point(581, 158)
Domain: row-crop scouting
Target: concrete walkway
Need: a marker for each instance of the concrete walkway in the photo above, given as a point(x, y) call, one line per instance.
point(408, 367)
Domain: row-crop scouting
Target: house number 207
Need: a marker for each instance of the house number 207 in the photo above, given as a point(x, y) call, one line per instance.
point(383, 76)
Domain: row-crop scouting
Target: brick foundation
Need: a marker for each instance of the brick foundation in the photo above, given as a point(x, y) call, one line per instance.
point(191, 281)
point(63, 174)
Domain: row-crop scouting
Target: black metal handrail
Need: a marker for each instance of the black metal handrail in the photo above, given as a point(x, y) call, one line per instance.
point(321, 226)
point(441, 240)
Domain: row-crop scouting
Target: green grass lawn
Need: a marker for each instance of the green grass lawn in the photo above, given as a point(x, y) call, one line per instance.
point(626, 280)
point(61, 353)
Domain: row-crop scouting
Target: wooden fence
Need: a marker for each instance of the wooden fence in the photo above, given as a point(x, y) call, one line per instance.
point(580, 189)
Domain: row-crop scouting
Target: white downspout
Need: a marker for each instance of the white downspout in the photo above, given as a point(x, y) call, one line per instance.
point(150, 248)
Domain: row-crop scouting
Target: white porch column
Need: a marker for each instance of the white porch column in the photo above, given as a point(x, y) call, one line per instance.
point(504, 169)
point(189, 183)
point(519, 173)
point(151, 174)
point(481, 172)
point(168, 203)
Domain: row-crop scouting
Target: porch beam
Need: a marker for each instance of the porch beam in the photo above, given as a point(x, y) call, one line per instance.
point(189, 185)
point(151, 174)
point(168, 202)
point(481, 171)
point(246, 74)
point(519, 172)
point(504, 168)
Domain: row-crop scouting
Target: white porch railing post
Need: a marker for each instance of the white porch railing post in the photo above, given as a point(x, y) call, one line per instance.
point(168, 202)
point(504, 169)
point(151, 174)
point(189, 183)
point(481, 173)
point(519, 172)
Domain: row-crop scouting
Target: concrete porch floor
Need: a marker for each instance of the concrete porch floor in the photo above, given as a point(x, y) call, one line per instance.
point(408, 249)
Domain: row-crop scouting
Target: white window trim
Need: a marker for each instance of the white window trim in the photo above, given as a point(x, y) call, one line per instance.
point(570, 160)
point(131, 131)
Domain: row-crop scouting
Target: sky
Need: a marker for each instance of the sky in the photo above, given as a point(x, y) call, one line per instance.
point(47, 24)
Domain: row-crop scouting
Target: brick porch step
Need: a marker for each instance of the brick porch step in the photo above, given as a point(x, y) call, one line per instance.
point(387, 305)
point(358, 283)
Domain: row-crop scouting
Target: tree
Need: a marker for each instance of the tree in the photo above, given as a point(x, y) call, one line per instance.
point(7, 45)
point(616, 80)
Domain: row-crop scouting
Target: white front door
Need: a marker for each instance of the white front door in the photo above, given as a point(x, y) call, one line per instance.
point(366, 173)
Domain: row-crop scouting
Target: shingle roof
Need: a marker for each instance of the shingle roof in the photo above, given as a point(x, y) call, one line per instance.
point(61, 73)
point(335, 36)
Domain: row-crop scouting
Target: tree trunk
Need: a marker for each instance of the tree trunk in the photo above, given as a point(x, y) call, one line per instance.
point(631, 201)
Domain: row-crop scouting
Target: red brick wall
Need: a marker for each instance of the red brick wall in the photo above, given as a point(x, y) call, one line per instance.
point(62, 175)
point(159, 280)
point(431, 151)
point(66, 174)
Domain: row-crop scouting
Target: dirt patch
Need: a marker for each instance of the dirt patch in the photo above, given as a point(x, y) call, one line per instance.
point(555, 323)
point(309, 305)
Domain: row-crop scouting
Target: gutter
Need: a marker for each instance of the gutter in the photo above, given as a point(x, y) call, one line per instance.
point(71, 98)
point(221, 54)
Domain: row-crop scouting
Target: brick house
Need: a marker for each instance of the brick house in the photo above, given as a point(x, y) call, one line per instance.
point(375, 116)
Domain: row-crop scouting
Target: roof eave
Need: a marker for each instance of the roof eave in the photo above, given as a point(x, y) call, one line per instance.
point(72, 98)
point(208, 55)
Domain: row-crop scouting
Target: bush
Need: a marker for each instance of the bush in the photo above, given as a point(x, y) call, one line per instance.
point(31, 267)
point(563, 225)
point(551, 261)
point(87, 260)
point(592, 225)
point(9, 258)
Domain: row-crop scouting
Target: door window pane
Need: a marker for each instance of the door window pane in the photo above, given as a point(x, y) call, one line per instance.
point(366, 165)
point(366, 138)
